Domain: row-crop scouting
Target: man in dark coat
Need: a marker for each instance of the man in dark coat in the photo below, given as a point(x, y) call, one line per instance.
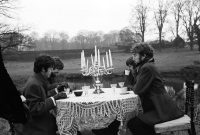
point(11, 105)
point(42, 122)
point(157, 105)
point(52, 82)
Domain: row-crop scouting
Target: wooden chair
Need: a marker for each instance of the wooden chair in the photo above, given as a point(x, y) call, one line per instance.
point(185, 123)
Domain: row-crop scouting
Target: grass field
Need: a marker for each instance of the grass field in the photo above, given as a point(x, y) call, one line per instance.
point(167, 60)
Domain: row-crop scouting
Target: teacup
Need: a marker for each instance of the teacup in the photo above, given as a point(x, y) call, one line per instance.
point(113, 85)
point(121, 84)
point(127, 72)
point(85, 89)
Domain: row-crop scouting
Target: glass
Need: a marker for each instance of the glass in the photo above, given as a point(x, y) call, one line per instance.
point(67, 91)
point(113, 86)
point(85, 89)
point(121, 84)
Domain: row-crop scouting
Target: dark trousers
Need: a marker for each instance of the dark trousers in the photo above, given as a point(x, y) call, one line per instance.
point(112, 129)
point(138, 127)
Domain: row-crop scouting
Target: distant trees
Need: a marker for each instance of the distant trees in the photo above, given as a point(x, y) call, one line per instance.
point(26, 42)
point(184, 15)
point(187, 14)
point(10, 40)
point(128, 37)
point(63, 40)
point(83, 40)
point(111, 38)
point(11, 37)
point(191, 15)
point(177, 8)
point(139, 19)
point(197, 32)
point(160, 15)
point(88, 39)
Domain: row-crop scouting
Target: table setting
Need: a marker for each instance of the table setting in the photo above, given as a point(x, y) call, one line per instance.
point(95, 107)
point(93, 111)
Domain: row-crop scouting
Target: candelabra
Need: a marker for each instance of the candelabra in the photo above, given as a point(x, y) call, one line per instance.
point(96, 71)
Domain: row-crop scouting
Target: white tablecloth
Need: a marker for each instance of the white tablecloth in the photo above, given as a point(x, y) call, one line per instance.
point(93, 111)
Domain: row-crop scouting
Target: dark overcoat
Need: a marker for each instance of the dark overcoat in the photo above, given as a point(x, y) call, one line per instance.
point(130, 79)
point(10, 102)
point(156, 103)
point(42, 122)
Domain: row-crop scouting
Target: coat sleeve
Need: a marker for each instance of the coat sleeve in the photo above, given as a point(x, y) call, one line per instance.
point(144, 80)
point(51, 92)
point(36, 101)
point(129, 80)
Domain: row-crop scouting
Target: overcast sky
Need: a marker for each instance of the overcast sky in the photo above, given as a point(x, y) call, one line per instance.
point(72, 16)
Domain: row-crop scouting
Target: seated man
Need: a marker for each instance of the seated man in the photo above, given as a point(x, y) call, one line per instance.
point(58, 65)
point(42, 122)
point(157, 105)
point(52, 83)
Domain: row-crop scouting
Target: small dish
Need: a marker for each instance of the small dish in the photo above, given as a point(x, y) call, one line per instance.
point(78, 93)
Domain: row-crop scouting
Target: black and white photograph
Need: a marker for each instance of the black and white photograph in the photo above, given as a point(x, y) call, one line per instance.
point(99, 67)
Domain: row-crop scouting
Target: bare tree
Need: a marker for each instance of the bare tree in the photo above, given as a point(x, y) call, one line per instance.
point(160, 16)
point(5, 8)
point(196, 25)
point(197, 32)
point(177, 13)
point(10, 40)
point(10, 37)
point(191, 15)
point(51, 38)
point(140, 17)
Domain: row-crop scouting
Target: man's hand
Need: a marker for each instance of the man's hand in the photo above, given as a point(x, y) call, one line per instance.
point(61, 95)
point(60, 88)
point(65, 84)
point(130, 87)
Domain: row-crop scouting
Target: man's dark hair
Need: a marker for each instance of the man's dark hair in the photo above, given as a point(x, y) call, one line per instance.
point(58, 63)
point(130, 61)
point(43, 62)
point(143, 50)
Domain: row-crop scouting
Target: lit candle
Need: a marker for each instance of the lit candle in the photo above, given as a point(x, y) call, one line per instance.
point(87, 64)
point(99, 61)
point(84, 59)
point(95, 54)
point(110, 56)
point(92, 59)
point(104, 63)
point(107, 61)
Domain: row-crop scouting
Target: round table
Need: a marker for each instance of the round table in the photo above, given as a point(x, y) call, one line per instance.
point(94, 111)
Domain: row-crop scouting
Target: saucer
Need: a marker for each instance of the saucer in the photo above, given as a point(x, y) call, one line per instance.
point(124, 93)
